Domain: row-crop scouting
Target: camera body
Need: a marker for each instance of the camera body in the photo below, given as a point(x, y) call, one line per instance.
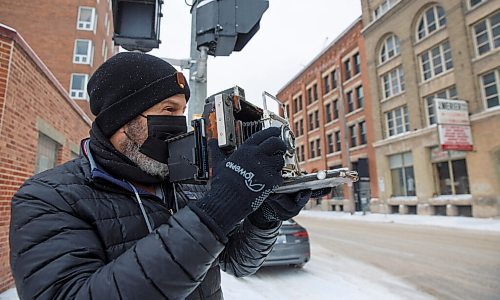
point(230, 119)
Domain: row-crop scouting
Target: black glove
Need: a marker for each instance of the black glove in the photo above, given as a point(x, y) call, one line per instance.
point(281, 207)
point(243, 181)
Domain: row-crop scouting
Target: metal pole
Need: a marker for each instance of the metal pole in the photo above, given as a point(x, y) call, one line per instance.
point(197, 72)
point(343, 120)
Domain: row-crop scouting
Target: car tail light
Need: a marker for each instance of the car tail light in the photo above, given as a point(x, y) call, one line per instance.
point(301, 234)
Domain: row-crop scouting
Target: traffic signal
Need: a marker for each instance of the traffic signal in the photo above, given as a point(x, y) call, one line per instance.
point(137, 24)
point(225, 26)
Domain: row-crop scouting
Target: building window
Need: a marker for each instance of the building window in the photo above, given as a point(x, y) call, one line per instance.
point(301, 127)
point(335, 109)
point(338, 144)
point(352, 135)
point(46, 153)
point(436, 61)
point(393, 82)
point(360, 97)
point(311, 122)
point(309, 96)
point(383, 8)
point(312, 149)
point(302, 153)
point(77, 86)
point(433, 19)
point(362, 133)
point(450, 172)
point(300, 102)
point(83, 52)
point(316, 119)
point(333, 75)
point(318, 147)
point(328, 112)
point(295, 105)
point(390, 48)
point(398, 121)
point(315, 92)
point(350, 102)
point(357, 63)
point(287, 109)
point(326, 84)
point(329, 138)
point(487, 34)
point(296, 128)
point(450, 93)
point(403, 179)
point(474, 3)
point(86, 18)
point(348, 72)
point(490, 83)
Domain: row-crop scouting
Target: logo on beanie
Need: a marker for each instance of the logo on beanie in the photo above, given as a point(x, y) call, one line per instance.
point(181, 80)
point(254, 187)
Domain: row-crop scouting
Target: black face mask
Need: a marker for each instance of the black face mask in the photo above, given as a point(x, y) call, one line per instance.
point(161, 128)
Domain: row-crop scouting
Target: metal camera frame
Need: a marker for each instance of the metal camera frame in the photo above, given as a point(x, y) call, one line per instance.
point(230, 119)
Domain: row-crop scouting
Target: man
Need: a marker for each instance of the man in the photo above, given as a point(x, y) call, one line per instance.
point(109, 225)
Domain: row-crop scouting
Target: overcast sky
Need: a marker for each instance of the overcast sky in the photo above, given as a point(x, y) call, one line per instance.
point(292, 33)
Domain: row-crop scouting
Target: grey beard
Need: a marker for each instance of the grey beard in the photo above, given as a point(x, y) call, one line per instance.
point(147, 164)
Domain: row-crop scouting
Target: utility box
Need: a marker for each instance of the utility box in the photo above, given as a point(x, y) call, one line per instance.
point(225, 26)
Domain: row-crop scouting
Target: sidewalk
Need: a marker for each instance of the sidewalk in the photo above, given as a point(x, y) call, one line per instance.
point(465, 223)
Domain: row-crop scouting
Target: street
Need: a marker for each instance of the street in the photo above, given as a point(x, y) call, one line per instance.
point(446, 263)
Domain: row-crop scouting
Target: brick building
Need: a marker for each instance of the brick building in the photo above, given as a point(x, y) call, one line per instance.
point(71, 37)
point(330, 111)
point(40, 127)
point(423, 50)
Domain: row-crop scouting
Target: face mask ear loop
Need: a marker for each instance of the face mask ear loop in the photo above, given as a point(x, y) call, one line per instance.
point(142, 207)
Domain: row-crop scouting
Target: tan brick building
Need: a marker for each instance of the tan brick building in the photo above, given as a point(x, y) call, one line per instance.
point(420, 50)
point(40, 127)
point(71, 37)
point(330, 110)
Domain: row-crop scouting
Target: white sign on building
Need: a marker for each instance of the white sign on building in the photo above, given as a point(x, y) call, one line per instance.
point(453, 125)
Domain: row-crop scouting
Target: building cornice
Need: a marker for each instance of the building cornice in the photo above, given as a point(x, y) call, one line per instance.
point(316, 58)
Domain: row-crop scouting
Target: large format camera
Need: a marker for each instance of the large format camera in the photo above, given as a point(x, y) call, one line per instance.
point(230, 119)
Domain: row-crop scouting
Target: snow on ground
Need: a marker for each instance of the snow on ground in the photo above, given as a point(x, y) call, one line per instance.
point(326, 276)
point(329, 276)
point(441, 221)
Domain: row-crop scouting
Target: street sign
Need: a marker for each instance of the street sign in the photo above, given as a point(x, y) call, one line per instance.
point(453, 124)
point(455, 112)
point(455, 137)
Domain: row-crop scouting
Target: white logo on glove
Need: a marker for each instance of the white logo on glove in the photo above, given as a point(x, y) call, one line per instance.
point(254, 187)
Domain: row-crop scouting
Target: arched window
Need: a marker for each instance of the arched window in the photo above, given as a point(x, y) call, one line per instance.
point(389, 49)
point(431, 20)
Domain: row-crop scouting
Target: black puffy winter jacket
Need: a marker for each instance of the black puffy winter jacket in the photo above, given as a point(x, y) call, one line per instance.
point(78, 233)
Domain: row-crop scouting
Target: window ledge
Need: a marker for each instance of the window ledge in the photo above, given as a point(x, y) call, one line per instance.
point(388, 60)
point(485, 55)
point(487, 113)
point(313, 131)
point(424, 39)
point(398, 199)
point(436, 77)
point(359, 147)
point(392, 97)
point(354, 112)
point(353, 77)
point(473, 8)
point(334, 154)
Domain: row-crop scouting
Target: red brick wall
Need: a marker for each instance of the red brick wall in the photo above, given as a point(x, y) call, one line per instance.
point(28, 91)
point(340, 49)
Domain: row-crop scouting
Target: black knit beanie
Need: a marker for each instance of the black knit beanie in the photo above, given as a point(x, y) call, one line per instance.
point(128, 84)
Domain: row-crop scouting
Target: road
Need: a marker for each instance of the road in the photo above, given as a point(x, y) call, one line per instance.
point(445, 263)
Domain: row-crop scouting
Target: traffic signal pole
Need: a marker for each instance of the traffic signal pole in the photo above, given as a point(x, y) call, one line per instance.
point(197, 71)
